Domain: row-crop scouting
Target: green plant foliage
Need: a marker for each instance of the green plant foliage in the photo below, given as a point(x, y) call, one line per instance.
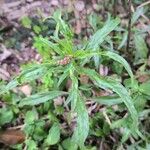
point(144, 88)
point(31, 144)
point(26, 21)
point(40, 98)
point(100, 36)
point(54, 135)
point(82, 129)
point(63, 61)
point(6, 115)
point(141, 48)
point(108, 100)
point(116, 87)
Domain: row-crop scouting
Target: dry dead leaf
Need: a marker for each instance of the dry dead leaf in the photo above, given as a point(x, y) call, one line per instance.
point(98, 93)
point(59, 101)
point(26, 89)
point(68, 84)
point(143, 78)
point(12, 4)
point(54, 3)
point(4, 75)
point(12, 137)
point(79, 5)
point(84, 79)
point(103, 70)
point(78, 26)
point(5, 53)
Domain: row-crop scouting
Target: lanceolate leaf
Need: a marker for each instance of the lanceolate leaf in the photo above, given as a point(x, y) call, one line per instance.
point(63, 28)
point(28, 74)
point(64, 75)
point(141, 47)
point(40, 98)
point(32, 73)
point(137, 14)
point(108, 100)
point(101, 34)
point(112, 55)
point(82, 129)
point(116, 87)
point(5, 88)
point(121, 60)
point(52, 45)
point(74, 90)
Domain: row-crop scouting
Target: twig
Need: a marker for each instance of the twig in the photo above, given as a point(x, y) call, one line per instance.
point(114, 8)
point(143, 4)
point(17, 127)
point(106, 117)
point(129, 27)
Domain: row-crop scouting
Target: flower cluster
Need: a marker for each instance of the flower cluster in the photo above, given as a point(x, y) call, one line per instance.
point(64, 61)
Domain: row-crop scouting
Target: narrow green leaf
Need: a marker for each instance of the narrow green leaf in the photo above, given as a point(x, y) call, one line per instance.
point(108, 100)
point(73, 92)
point(40, 98)
point(62, 27)
point(104, 82)
point(82, 129)
point(121, 60)
point(62, 78)
point(52, 45)
point(124, 40)
point(5, 88)
point(64, 75)
point(54, 135)
point(101, 34)
point(66, 45)
point(112, 55)
point(137, 14)
point(126, 135)
point(141, 47)
point(32, 73)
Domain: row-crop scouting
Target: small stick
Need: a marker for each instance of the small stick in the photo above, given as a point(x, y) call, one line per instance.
point(106, 117)
point(143, 4)
point(17, 127)
point(114, 8)
point(129, 27)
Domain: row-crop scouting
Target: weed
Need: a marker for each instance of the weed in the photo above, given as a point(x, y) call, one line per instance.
point(63, 61)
